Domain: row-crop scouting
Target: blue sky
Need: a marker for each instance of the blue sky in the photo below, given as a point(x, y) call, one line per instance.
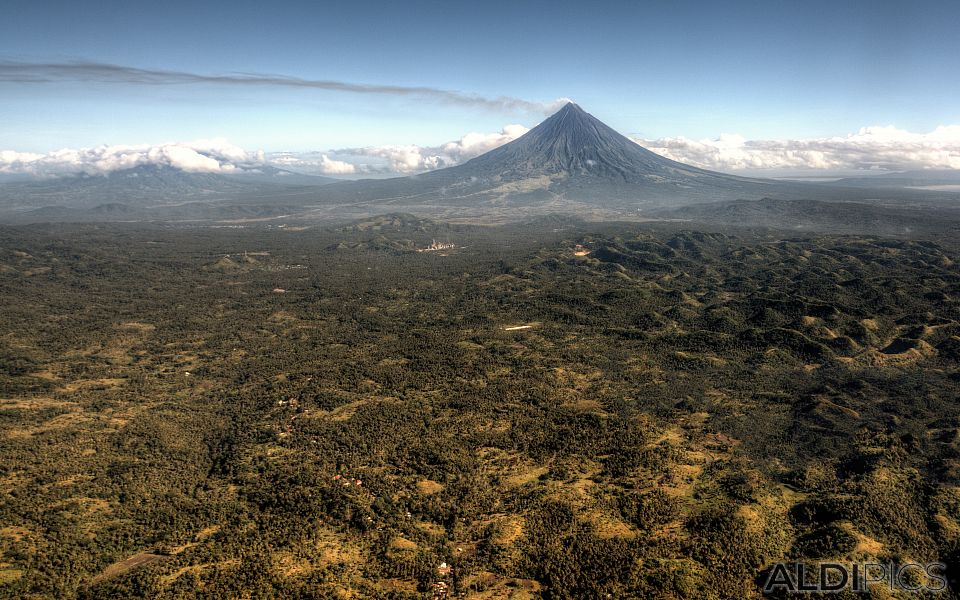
point(762, 70)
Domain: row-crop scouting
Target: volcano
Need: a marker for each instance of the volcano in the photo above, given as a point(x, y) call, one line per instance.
point(573, 143)
point(571, 157)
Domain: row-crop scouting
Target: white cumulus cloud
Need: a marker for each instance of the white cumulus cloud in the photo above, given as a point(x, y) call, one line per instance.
point(329, 166)
point(312, 162)
point(201, 156)
point(475, 144)
point(415, 159)
point(877, 147)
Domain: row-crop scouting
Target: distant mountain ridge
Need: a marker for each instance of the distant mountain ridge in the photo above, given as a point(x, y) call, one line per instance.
point(919, 178)
point(147, 185)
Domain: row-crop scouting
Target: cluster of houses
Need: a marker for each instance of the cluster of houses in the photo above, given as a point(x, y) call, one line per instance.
point(441, 589)
point(437, 246)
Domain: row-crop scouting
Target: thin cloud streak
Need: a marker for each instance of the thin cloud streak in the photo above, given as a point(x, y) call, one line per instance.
point(95, 72)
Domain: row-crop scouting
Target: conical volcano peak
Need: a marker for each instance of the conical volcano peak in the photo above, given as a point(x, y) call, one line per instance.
point(573, 142)
point(570, 156)
point(583, 129)
point(570, 114)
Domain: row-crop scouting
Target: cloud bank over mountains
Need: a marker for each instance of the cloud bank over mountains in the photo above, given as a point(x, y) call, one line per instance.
point(884, 148)
point(398, 159)
point(201, 156)
point(871, 148)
